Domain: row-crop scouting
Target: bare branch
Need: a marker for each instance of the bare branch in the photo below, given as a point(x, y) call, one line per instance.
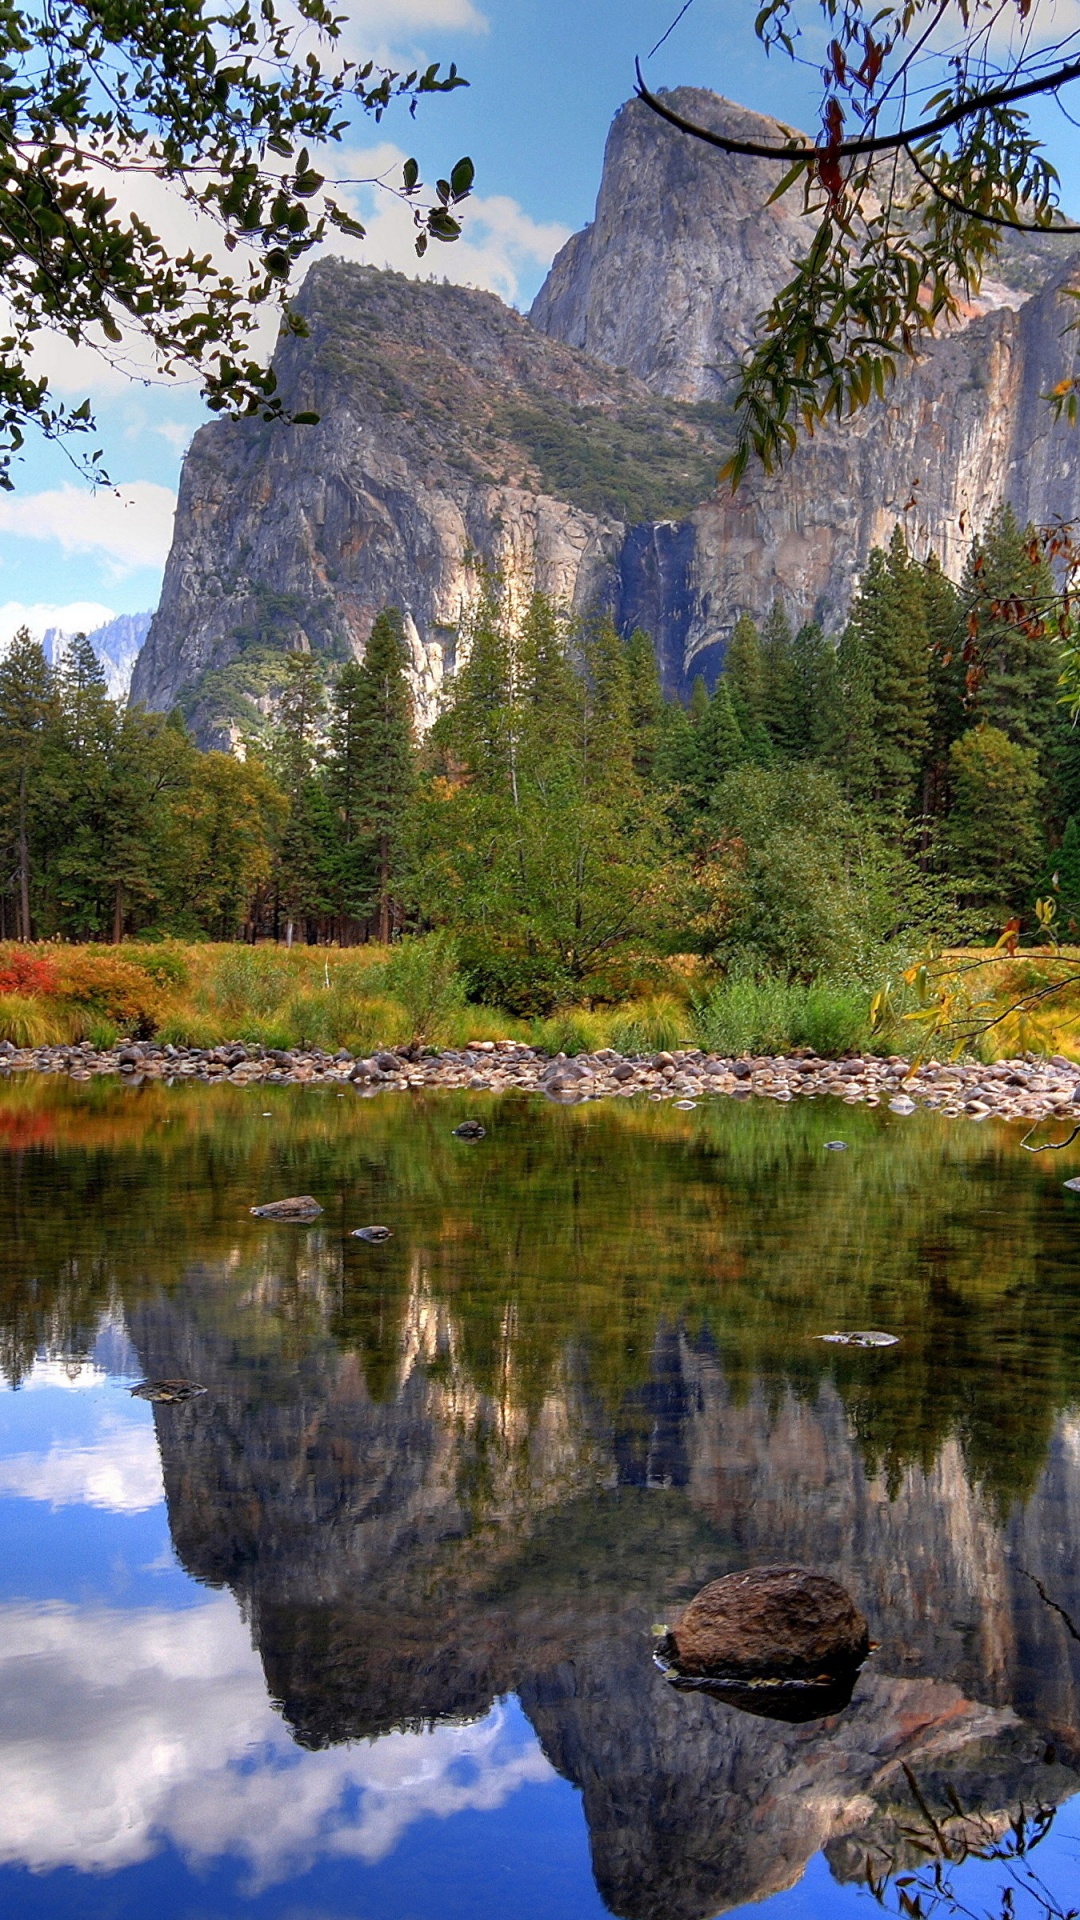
point(871, 143)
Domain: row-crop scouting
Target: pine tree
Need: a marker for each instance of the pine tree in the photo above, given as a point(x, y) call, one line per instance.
point(1005, 593)
point(852, 753)
point(993, 835)
point(888, 621)
point(302, 858)
point(610, 732)
point(819, 723)
point(779, 701)
point(745, 672)
point(949, 717)
point(646, 701)
point(27, 705)
point(720, 743)
point(371, 772)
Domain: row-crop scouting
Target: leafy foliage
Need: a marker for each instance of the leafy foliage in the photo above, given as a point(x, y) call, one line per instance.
point(223, 110)
point(920, 165)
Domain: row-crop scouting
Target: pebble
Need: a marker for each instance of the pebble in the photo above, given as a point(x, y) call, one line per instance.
point(1023, 1089)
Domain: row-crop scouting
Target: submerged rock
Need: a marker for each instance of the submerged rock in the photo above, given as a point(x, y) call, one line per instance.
point(470, 1130)
point(299, 1206)
point(373, 1234)
point(860, 1339)
point(167, 1392)
point(836, 1146)
point(769, 1624)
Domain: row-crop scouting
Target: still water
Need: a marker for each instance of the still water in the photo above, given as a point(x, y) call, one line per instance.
point(366, 1629)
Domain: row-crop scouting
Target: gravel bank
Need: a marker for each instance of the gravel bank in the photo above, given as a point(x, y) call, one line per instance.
point(1024, 1089)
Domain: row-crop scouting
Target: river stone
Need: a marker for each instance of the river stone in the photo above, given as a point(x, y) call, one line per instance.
point(1073, 1185)
point(300, 1206)
point(860, 1339)
point(836, 1146)
point(376, 1235)
point(167, 1392)
point(901, 1104)
point(470, 1130)
point(781, 1623)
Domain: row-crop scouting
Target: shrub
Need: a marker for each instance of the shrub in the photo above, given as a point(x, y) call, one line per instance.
point(423, 976)
point(530, 985)
point(102, 984)
point(764, 1014)
point(25, 973)
point(166, 963)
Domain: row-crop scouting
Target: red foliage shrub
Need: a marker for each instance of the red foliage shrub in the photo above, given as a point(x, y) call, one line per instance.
point(25, 972)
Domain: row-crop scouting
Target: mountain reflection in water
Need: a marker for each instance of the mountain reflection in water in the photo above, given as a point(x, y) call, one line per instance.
point(486, 1458)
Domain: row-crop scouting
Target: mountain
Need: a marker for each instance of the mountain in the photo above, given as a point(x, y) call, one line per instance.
point(116, 644)
point(576, 451)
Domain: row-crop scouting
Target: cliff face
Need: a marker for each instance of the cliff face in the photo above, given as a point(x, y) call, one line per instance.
point(452, 436)
point(577, 451)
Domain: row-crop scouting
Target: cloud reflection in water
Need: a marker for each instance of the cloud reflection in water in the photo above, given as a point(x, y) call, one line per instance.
point(120, 1731)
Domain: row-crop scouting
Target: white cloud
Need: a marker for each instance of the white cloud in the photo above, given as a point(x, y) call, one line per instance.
point(501, 243)
point(70, 1376)
point(129, 526)
point(75, 616)
point(119, 1471)
point(393, 16)
point(127, 1730)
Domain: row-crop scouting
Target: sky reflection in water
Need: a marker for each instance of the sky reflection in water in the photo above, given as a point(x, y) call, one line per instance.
point(365, 1628)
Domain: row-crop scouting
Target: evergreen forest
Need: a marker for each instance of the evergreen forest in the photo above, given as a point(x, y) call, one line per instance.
point(832, 800)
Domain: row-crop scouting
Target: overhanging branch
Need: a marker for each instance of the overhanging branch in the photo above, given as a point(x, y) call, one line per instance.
point(870, 143)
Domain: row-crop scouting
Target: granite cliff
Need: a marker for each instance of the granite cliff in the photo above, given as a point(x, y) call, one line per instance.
point(577, 451)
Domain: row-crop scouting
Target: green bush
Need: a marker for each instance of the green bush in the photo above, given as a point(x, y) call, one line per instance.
point(765, 1014)
point(529, 985)
point(424, 977)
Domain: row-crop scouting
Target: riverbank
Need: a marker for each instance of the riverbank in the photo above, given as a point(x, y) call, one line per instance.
point(1025, 1088)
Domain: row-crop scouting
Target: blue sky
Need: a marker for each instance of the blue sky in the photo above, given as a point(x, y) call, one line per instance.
point(546, 77)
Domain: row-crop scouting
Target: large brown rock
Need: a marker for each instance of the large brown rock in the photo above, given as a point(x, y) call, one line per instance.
point(770, 1623)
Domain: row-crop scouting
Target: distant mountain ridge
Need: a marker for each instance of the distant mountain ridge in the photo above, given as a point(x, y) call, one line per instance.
point(577, 451)
point(117, 645)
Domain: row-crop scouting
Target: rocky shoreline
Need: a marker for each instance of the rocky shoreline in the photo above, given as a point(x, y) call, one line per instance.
point(1026, 1088)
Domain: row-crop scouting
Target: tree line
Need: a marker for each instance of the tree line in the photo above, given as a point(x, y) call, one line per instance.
point(562, 816)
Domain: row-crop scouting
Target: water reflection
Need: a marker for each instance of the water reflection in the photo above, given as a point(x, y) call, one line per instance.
point(485, 1460)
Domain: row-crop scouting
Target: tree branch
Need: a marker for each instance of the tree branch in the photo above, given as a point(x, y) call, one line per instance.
point(988, 219)
point(871, 143)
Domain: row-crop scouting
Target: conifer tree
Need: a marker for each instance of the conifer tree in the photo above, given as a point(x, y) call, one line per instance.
point(27, 704)
point(745, 672)
point(779, 696)
point(993, 832)
point(949, 717)
point(819, 722)
point(888, 621)
point(610, 733)
point(1005, 591)
point(370, 776)
point(853, 749)
point(295, 747)
point(646, 701)
point(720, 743)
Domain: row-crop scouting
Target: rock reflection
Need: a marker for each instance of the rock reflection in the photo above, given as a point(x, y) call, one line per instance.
point(407, 1561)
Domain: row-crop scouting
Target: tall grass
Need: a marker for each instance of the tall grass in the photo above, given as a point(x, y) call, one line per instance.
point(745, 1014)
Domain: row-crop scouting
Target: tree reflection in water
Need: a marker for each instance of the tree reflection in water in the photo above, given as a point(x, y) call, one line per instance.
point(581, 1379)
